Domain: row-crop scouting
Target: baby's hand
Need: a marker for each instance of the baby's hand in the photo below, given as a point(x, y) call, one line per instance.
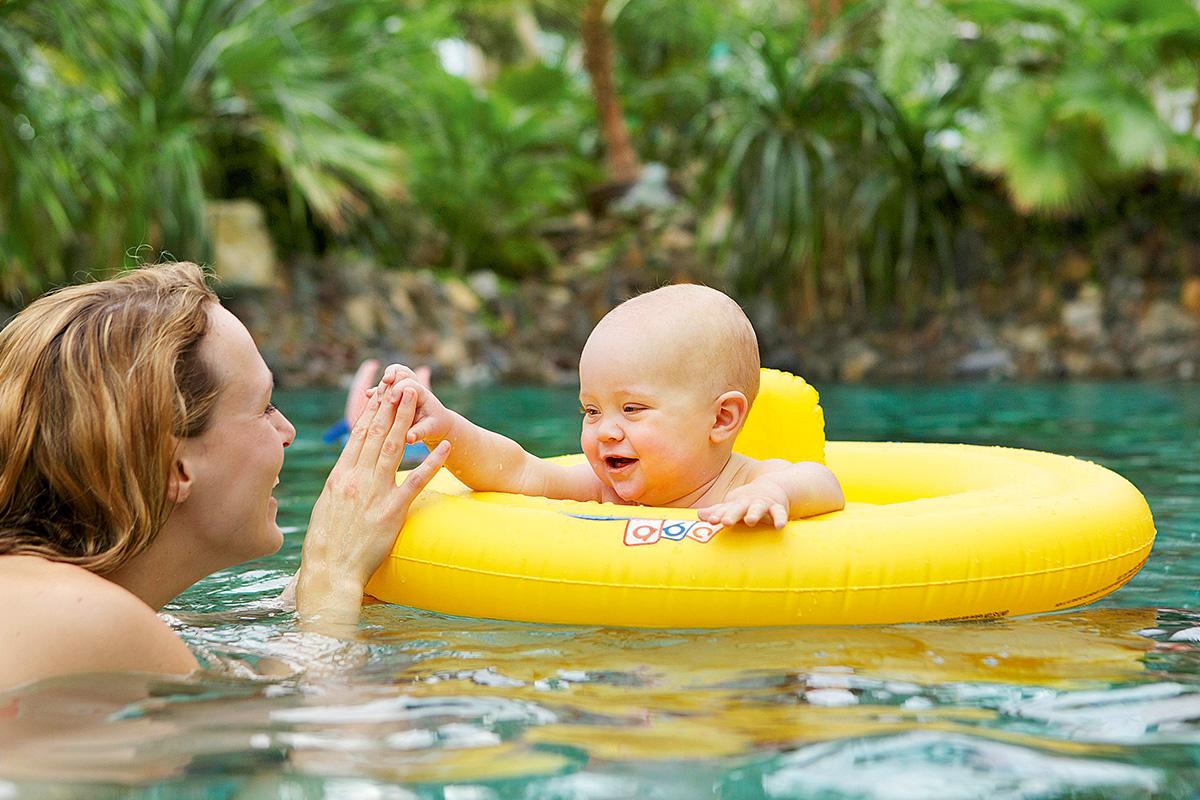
point(761, 500)
point(432, 422)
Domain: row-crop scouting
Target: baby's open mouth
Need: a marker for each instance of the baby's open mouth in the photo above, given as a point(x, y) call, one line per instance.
point(618, 462)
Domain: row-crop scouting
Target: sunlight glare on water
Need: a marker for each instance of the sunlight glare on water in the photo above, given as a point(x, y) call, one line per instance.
point(1101, 702)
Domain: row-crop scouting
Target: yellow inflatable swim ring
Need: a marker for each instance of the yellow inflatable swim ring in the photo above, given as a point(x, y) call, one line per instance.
point(930, 532)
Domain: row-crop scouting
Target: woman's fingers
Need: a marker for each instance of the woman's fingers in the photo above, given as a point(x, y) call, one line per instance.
point(391, 452)
point(419, 477)
point(379, 426)
point(358, 434)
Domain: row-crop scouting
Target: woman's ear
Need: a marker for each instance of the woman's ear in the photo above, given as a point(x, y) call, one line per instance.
point(179, 483)
point(732, 408)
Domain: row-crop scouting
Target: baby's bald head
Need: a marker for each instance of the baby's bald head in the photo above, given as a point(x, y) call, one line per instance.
point(693, 333)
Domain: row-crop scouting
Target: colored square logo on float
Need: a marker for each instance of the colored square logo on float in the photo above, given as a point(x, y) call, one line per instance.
point(650, 531)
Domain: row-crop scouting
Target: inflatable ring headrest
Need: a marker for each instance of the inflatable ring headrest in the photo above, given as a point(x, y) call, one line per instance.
point(785, 421)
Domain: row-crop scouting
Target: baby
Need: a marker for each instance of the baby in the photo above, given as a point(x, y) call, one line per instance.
point(666, 381)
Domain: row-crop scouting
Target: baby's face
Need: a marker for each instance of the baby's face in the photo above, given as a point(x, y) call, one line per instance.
point(646, 425)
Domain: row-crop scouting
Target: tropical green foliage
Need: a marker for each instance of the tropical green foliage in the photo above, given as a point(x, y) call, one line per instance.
point(845, 162)
point(130, 101)
point(1063, 99)
point(488, 169)
point(829, 185)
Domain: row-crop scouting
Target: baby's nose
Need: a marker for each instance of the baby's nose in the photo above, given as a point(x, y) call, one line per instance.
point(610, 431)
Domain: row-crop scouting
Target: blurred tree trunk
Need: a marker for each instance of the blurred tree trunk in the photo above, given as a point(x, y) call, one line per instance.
point(620, 157)
point(525, 25)
point(822, 14)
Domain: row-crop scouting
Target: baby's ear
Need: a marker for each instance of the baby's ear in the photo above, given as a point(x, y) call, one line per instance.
point(732, 408)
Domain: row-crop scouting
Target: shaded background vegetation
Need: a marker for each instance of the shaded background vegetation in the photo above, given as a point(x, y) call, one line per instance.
point(837, 155)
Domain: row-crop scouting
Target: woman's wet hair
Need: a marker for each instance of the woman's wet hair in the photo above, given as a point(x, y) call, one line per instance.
point(99, 383)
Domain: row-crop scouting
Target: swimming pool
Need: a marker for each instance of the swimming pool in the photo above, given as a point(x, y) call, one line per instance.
point(1103, 702)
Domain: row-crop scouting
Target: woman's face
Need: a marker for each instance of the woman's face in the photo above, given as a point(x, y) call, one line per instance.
point(232, 467)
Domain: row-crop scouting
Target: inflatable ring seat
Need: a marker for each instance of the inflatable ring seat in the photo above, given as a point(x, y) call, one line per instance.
point(931, 532)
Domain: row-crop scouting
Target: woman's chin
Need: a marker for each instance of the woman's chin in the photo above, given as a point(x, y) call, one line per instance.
point(272, 541)
point(273, 537)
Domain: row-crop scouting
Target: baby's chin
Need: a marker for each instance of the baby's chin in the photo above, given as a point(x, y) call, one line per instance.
point(634, 493)
point(637, 496)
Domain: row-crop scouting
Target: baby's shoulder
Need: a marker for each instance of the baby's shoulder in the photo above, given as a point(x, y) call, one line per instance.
point(745, 469)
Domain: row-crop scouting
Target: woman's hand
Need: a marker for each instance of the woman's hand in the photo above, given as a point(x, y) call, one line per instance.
point(361, 510)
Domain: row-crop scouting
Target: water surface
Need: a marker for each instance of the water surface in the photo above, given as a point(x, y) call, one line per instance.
point(1101, 702)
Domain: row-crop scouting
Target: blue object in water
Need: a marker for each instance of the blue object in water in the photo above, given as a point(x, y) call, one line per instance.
point(339, 432)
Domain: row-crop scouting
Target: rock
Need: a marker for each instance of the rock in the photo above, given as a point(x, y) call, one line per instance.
point(243, 254)
point(1161, 360)
point(485, 284)
point(1075, 267)
point(1126, 291)
point(1165, 321)
point(450, 353)
point(558, 298)
point(474, 374)
point(1083, 317)
point(857, 361)
point(362, 315)
point(460, 297)
point(398, 297)
point(1032, 350)
point(988, 362)
point(1031, 339)
point(650, 192)
point(677, 239)
point(1078, 363)
point(1189, 295)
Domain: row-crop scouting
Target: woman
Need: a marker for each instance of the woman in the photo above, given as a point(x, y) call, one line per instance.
point(140, 451)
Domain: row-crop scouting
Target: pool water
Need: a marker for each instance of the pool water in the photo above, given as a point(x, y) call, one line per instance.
point(1102, 702)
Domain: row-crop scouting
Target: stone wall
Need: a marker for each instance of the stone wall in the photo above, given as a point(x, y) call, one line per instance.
point(316, 326)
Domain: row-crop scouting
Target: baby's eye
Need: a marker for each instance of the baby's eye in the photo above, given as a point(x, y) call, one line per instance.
point(588, 412)
point(271, 409)
point(629, 408)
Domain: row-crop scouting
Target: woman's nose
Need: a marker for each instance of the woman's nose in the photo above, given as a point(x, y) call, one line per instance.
point(287, 429)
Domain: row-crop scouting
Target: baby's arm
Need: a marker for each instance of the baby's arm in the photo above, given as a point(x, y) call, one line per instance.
point(782, 491)
point(488, 462)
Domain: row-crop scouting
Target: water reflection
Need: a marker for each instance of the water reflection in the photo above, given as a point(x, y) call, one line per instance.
point(468, 701)
point(1102, 702)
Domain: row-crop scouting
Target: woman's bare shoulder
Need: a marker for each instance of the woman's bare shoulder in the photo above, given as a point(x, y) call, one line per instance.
point(58, 619)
